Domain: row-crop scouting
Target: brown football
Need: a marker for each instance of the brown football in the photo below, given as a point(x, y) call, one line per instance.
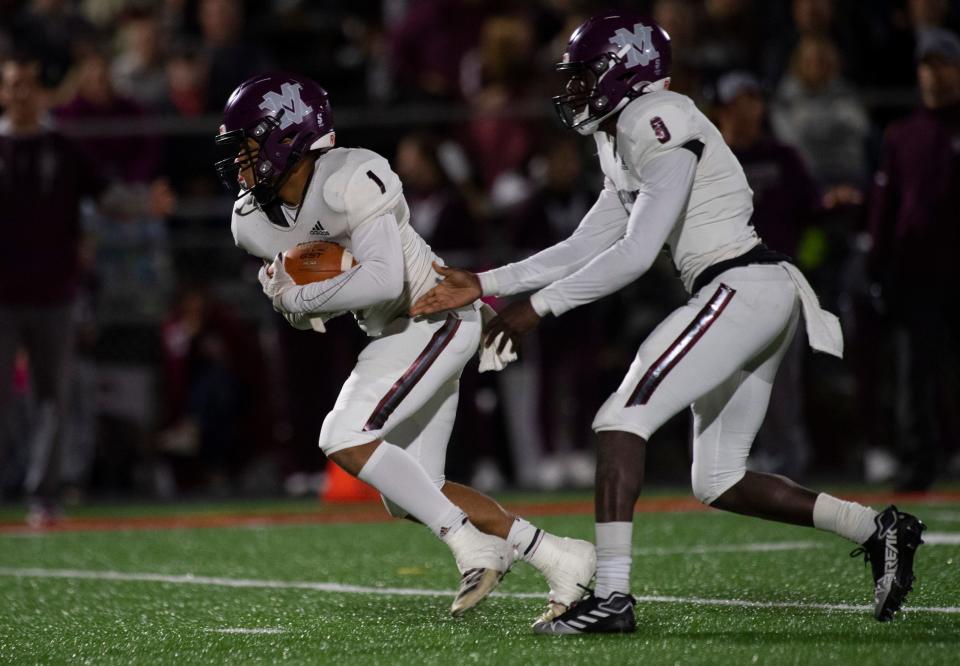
point(317, 260)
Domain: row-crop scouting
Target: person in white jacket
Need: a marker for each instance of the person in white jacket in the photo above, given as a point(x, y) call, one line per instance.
point(671, 182)
point(392, 420)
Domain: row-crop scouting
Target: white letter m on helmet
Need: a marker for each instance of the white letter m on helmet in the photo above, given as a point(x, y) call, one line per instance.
point(636, 45)
point(289, 101)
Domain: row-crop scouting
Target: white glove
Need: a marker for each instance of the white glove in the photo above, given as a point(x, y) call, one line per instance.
point(489, 358)
point(276, 285)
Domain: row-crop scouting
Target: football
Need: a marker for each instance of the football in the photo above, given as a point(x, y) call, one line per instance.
point(317, 260)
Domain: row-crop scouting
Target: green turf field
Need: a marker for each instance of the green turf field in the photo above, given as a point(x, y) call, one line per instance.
point(378, 593)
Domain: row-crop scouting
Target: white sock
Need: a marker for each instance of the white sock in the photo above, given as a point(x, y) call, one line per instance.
point(848, 519)
point(614, 544)
point(526, 540)
point(402, 480)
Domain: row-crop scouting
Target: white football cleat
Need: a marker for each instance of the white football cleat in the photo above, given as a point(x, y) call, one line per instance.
point(483, 560)
point(568, 565)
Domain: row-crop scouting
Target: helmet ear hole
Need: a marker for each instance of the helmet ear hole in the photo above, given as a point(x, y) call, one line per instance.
point(601, 102)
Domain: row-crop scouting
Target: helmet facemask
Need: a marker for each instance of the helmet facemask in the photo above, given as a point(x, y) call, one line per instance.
point(584, 105)
point(270, 141)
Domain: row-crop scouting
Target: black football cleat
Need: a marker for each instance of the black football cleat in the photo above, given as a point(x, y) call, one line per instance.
point(591, 615)
point(890, 551)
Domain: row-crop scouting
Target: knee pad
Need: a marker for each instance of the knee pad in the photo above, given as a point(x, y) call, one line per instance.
point(337, 435)
point(614, 415)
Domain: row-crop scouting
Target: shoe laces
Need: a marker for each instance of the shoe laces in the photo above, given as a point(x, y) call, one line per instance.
point(861, 550)
point(587, 593)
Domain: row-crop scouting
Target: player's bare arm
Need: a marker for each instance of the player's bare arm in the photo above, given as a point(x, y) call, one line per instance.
point(457, 289)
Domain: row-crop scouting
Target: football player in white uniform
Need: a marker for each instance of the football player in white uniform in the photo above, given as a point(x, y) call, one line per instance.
point(672, 182)
point(394, 414)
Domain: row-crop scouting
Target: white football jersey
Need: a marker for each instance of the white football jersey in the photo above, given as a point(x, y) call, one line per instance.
point(349, 186)
point(716, 223)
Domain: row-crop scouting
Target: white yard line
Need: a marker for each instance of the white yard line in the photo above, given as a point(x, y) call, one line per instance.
point(247, 630)
point(771, 547)
point(945, 516)
point(929, 538)
point(941, 538)
point(340, 588)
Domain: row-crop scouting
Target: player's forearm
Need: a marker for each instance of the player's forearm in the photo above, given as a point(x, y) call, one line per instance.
point(667, 183)
point(600, 228)
point(360, 287)
point(377, 278)
point(609, 272)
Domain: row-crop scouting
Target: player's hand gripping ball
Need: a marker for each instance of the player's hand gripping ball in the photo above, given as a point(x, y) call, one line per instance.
point(317, 260)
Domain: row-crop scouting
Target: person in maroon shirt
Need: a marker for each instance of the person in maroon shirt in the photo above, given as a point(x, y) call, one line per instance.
point(915, 231)
point(43, 178)
point(134, 157)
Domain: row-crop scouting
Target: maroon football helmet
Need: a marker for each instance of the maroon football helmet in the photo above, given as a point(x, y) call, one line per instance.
point(286, 115)
point(610, 60)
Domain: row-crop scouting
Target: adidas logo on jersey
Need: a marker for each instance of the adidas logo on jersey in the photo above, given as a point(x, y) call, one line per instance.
point(318, 230)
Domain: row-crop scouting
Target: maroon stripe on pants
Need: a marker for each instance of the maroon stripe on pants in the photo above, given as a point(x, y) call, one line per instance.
point(681, 346)
point(413, 374)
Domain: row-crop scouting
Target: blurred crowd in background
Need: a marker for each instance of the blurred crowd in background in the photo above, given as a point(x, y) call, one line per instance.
point(171, 375)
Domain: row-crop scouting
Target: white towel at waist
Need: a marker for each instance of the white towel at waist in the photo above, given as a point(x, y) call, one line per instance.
point(823, 328)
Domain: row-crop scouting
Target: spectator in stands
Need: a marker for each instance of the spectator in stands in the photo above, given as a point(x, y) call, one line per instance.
point(15, 428)
point(43, 179)
point(785, 201)
point(55, 31)
point(927, 17)
point(728, 36)
point(230, 58)
point(132, 156)
point(218, 405)
point(817, 19)
point(438, 210)
point(913, 223)
point(186, 82)
point(818, 113)
point(138, 70)
point(500, 142)
point(428, 45)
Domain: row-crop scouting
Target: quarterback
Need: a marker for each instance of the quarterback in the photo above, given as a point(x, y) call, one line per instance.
point(671, 182)
point(395, 412)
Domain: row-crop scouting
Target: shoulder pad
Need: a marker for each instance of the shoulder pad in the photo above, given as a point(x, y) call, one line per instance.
point(363, 187)
point(649, 129)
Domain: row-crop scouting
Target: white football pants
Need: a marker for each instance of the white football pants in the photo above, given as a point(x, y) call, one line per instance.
point(405, 388)
point(719, 354)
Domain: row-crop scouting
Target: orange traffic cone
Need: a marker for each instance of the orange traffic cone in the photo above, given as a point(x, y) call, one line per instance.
point(341, 487)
